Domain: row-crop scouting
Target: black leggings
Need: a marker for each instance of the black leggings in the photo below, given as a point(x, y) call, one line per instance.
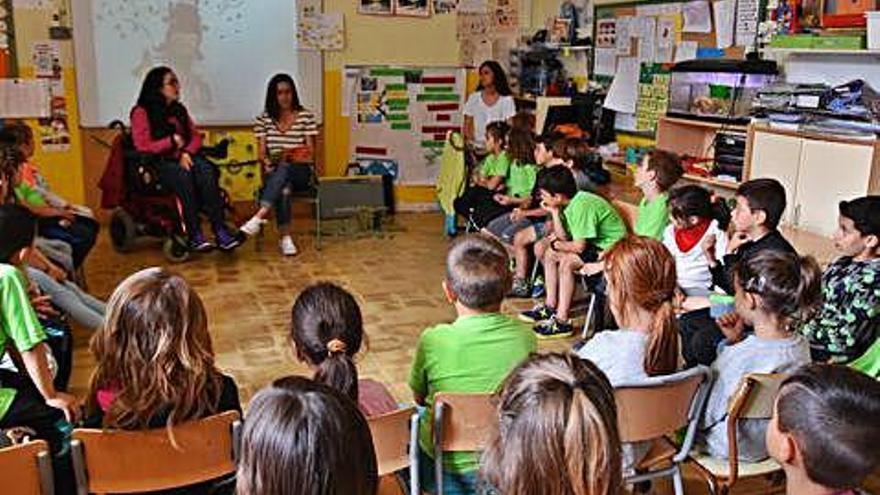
point(81, 234)
point(197, 190)
point(481, 201)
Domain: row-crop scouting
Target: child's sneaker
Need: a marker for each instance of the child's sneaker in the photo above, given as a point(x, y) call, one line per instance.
point(288, 248)
point(540, 312)
point(520, 288)
point(554, 328)
point(226, 241)
point(538, 288)
point(252, 227)
point(199, 244)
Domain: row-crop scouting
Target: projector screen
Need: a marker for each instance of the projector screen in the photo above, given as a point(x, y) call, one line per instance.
point(223, 51)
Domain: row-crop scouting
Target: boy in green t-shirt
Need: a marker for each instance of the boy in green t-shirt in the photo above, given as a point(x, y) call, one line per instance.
point(655, 175)
point(471, 355)
point(583, 225)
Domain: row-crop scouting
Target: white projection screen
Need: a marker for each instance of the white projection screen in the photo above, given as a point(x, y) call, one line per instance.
point(224, 52)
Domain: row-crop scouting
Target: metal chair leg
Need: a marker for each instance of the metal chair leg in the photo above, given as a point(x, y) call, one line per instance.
point(588, 319)
point(317, 223)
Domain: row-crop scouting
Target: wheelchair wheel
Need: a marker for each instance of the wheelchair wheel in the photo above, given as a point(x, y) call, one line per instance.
point(175, 250)
point(123, 231)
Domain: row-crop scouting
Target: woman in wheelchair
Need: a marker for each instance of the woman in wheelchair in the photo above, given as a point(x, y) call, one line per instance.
point(286, 148)
point(161, 125)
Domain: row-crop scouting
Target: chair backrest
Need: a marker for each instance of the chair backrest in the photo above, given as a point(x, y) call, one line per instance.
point(755, 397)
point(393, 436)
point(869, 362)
point(662, 405)
point(115, 461)
point(463, 422)
point(26, 469)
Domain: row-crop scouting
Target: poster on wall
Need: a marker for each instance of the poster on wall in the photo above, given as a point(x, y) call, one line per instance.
point(7, 40)
point(412, 8)
point(376, 7)
point(403, 115)
point(320, 31)
point(445, 6)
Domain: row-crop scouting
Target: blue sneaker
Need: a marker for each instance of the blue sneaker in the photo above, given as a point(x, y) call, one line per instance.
point(540, 312)
point(554, 328)
point(199, 244)
point(538, 288)
point(225, 240)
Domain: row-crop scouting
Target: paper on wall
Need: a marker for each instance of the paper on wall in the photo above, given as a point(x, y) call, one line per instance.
point(686, 50)
point(624, 35)
point(624, 90)
point(625, 121)
point(724, 11)
point(647, 35)
point(349, 90)
point(24, 98)
point(666, 37)
point(747, 12)
point(46, 56)
point(697, 18)
point(473, 6)
point(606, 62)
point(320, 31)
point(658, 9)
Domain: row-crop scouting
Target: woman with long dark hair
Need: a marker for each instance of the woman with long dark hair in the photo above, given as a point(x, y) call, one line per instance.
point(161, 125)
point(285, 147)
point(492, 102)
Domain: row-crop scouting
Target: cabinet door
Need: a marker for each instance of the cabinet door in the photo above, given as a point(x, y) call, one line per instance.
point(830, 173)
point(776, 156)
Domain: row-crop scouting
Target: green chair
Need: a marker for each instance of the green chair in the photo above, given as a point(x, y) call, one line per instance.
point(869, 362)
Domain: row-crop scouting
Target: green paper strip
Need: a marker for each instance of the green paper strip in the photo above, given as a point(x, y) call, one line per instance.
point(401, 126)
point(397, 117)
point(398, 108)
point(398, 101)
point(438, 97)
point(433, 144)
point(439, 89)
point(380, 72)
point(395, 87)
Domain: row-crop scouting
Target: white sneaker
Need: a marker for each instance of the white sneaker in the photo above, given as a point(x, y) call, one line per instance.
point(288, 248)
point(252, 227)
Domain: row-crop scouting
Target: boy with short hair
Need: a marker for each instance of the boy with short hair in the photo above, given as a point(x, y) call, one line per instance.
point(848, 321)
point(824, 431)
point(583, 224)
point(655, 175)
point(473, 354)
point(755, 218)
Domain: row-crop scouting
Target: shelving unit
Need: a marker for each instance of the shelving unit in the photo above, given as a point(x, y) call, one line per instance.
point(819, 52)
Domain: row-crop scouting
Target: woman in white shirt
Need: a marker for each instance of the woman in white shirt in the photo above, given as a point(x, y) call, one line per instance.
point(492, 102)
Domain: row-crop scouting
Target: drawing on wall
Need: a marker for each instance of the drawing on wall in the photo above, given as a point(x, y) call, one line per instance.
point(320, 31)
point(445, 6)
point(376, 7)
point(412, 8)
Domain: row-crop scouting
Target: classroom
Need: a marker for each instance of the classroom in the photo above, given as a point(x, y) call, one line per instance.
point(487, 247)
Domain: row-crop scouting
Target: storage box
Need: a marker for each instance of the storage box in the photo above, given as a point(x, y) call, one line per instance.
point(873, 30)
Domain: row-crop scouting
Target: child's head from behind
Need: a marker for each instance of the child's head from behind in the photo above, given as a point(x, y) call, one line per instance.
point(496, 136)
point(692, 204)
point(523, 121)
point(477, 273)
point(557, 186)
point(858, 231)
point(155, 349)
point(660, 168)
point(18, 227)
point(641, 279)
point(521, 146)
point(759, 204)
point(825, 424)
point(11, 159)
point(782, 286)
point(546, 147)
point(557, 430)
point(23, 137)
point(327, 331)
point(304, 438)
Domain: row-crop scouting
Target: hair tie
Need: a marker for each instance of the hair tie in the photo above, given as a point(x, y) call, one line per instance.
point(336, 346)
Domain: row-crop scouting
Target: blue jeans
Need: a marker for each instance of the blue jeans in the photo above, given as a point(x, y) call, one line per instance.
point(453, 483)
point(279, 183)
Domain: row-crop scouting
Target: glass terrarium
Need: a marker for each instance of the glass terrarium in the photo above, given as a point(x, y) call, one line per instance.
point(718, 89)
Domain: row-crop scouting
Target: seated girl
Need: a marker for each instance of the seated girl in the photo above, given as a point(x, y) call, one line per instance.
point(520, 182)
point(155, 362)
point(285, 134)
point(327, 331)
point(477, 201)
point(162, 126)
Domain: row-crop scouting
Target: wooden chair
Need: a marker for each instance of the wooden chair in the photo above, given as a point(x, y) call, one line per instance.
point(395, 439)
point(462, 423)
point(115, 461)
point(26, 469)
point(753, 400)
point(657, 408)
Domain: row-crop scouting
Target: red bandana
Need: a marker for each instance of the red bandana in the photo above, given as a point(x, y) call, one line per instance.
point(687, 238)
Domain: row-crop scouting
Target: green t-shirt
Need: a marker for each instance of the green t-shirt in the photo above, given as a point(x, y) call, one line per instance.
point(495, 165)
point(471, 355)
point(653, 217)
point(589, 216)
point(18, 321)
point(29, 196)
point(521, 179)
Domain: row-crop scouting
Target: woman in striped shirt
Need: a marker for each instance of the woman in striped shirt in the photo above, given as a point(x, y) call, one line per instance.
point(285, 147)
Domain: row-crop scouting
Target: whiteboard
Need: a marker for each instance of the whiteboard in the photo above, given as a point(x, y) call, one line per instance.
point(223, 51)
point(400, 116)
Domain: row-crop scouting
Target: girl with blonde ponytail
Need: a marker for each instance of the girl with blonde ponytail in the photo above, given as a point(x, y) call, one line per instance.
point(557, 431)
point(327, 332)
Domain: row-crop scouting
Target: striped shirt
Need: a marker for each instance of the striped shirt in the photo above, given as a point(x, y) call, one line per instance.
point(295, 136)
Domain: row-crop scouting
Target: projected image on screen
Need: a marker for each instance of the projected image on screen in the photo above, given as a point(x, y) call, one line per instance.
point(224, 52)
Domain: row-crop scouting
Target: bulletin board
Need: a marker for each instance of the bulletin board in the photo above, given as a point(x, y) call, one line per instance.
point(400, 116)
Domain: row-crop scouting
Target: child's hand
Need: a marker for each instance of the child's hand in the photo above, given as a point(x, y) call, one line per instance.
point(548, 208)
point(590, 269)
point(708, 247)
point(501, 199)
point(65, 214)
point(517, 214)
point(738, 239)
point(57, 273)
point(732, 326)
point(18, 434)
point(67, 403)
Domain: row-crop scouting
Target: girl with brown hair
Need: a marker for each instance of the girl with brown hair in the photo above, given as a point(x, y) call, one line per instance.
point(155, 361)
point(557, 431)
point(327, 331)
point(304, 438)
point(640, 274)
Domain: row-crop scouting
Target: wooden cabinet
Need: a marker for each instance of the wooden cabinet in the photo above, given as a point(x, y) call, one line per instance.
point(817, 172)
